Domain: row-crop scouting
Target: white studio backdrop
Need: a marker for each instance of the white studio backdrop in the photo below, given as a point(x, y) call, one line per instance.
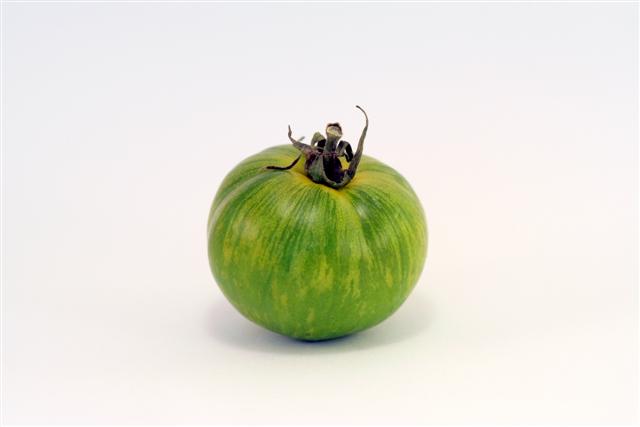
point(516, 124)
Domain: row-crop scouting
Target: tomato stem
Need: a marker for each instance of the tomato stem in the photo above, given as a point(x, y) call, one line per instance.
point(323, 155)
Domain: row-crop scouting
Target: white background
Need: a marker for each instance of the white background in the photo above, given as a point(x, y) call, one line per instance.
point(515, 123)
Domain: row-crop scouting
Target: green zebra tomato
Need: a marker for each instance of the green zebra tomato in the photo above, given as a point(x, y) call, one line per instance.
point(310, 261)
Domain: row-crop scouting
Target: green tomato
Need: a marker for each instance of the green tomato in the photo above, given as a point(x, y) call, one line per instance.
point(309, 261)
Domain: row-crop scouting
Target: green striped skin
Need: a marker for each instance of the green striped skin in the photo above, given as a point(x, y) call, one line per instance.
point(309, 261)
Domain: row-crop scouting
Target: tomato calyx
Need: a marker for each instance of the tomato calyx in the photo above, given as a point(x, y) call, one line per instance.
point(322, 156)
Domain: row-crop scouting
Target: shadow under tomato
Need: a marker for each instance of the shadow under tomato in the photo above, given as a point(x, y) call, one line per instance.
point(231, 328)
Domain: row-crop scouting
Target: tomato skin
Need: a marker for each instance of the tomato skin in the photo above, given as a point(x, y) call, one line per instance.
point(312, 262)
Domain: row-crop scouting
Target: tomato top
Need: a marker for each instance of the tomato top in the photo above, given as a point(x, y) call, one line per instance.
point(322, 157)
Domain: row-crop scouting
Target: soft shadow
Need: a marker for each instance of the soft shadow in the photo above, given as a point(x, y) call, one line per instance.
point(229, 327)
